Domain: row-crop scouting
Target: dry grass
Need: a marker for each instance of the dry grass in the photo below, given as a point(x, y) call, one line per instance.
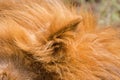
point(107, 11)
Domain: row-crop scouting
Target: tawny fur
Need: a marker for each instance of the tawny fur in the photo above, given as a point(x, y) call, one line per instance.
point(46, 40)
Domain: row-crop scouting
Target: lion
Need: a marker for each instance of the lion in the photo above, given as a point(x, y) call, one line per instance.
point(48, 40)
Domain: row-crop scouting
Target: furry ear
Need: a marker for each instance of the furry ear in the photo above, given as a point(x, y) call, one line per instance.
point(58, 44)
point(62, 37)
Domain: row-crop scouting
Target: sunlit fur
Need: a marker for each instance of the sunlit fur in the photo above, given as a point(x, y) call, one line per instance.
point(45, 40)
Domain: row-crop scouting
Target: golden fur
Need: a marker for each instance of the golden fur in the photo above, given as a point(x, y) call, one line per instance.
point(46, 40)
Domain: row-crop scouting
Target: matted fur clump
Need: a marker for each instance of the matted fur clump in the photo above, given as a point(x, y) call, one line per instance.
point(46, 40)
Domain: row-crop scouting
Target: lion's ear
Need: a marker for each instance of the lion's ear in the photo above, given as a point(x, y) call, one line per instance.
point(61, 38)
point(60, 41)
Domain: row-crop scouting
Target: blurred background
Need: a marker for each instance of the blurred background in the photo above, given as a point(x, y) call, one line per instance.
point(107, 11)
